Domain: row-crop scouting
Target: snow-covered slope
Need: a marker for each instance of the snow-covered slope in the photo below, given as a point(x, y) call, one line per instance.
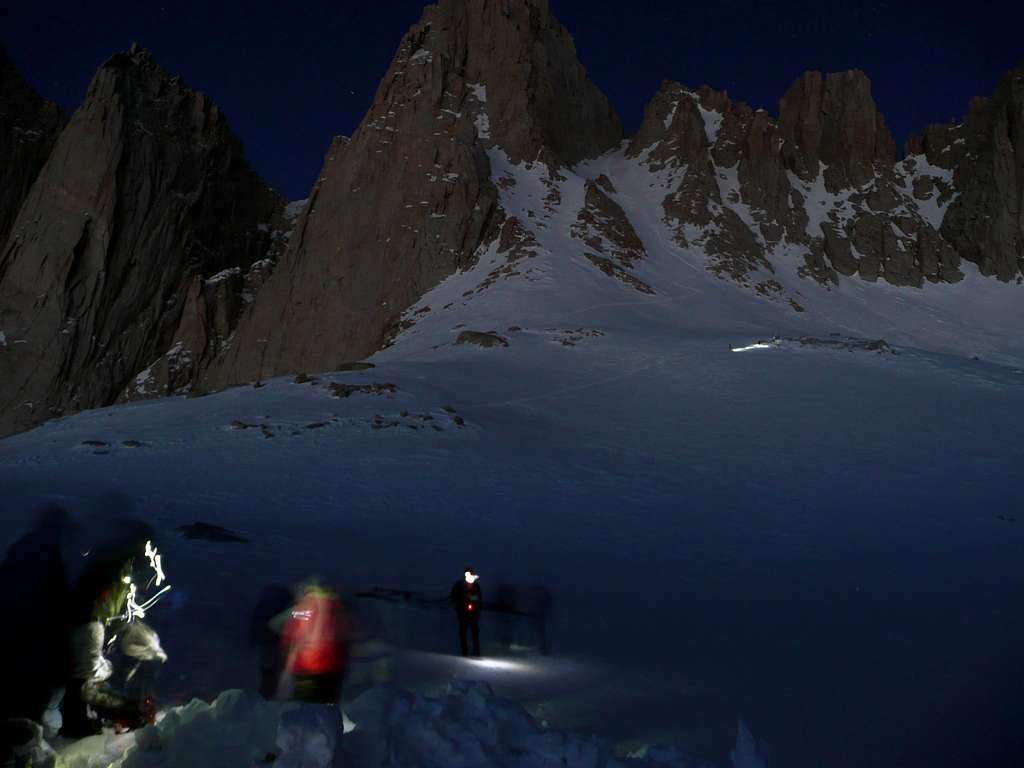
point(544, 277)
point(779, 534)
point(648, 396)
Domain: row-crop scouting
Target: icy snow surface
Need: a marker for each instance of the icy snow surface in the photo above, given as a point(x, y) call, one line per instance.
point(463, 726)
point(819, 539)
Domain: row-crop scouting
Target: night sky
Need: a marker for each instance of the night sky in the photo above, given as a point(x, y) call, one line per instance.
point(291, 75)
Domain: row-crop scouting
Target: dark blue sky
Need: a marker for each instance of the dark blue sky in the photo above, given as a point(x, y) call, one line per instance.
point(290, 76)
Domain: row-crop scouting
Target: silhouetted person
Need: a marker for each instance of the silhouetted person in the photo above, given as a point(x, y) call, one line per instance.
point(504, 600)
point(467, 598)
point(33, 599)
point(98, 599)
point(539, 604)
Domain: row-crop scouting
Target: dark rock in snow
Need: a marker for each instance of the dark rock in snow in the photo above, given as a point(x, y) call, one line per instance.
point(347, 390)
point(486, 339)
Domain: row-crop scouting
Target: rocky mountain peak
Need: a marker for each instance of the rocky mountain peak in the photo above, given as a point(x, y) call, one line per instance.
point(520, 64)
point(144, 260)
point(146, 191)
point(410, 199)
point(672, 132)
point(986, 221)
point(833, 119)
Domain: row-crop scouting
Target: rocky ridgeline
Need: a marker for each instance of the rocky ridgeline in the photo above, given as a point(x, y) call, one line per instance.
point(408, 199)
point(819, 184)
point(145, 258)
point(145, 194)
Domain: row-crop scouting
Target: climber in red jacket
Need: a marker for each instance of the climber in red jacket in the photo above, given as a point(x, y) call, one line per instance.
point(314, 642)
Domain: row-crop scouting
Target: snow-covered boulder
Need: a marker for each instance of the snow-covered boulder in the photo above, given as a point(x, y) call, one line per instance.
point(307, 736)
point(239, 728)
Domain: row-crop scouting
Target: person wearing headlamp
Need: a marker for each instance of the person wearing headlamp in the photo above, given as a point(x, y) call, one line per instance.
point(467, 599)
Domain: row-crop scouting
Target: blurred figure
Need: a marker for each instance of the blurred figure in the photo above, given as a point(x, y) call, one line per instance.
point(274, 600)
point(505, 601)
point(33, 650)
point(467, 598)
point(539, 603)
point(314, 641)
point(104, 603)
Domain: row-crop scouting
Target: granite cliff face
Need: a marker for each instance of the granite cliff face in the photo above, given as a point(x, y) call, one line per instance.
point(29, 126)
point(985, 152)
point(408, 199)
point(147, 259)
point(146, 192)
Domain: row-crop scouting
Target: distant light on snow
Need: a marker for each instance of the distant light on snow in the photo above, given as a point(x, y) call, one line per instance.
point(501, 664)
point(758, 345)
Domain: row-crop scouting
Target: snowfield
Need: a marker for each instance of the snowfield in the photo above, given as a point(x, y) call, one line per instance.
point(463, 727)
point(821, 539)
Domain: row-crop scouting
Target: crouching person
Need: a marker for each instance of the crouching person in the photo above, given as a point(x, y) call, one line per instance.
point(106, 606)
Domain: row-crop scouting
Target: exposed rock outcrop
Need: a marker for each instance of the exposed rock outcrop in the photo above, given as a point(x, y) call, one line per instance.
point(29, 126)
point(613, 245)
point(833, 121)
point(145, 194)
point(985, 223)
point(146, 258)
point(820, 185)
point(408, 199)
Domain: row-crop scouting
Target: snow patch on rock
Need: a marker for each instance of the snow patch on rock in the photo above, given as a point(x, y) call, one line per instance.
point(294, 208)
point(712, 123)
point(932, 208)
point(226, 274)
point(822, 206)
point(671, 113)
point(480, 91)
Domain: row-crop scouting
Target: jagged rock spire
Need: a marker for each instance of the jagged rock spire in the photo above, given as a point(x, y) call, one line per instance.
point(408, 199)
point(145, 189)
